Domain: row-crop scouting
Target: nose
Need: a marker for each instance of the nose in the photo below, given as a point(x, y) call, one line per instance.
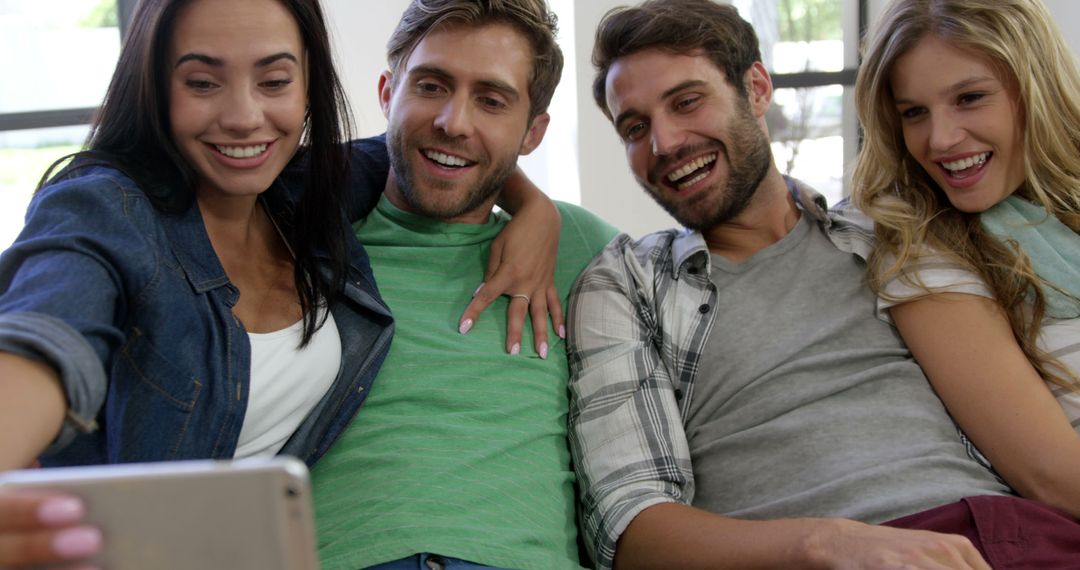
point(455, 117)
point(945, 132)
point(666, 137)
point(242, 113)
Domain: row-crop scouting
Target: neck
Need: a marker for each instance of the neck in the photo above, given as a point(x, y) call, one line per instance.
point(478, 215)
point(234, 222)
point(770, 215)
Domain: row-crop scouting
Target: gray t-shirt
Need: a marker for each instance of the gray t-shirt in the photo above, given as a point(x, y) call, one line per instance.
point(808, 404)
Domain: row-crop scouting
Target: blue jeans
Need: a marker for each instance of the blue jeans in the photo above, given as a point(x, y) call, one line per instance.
point(426, 561)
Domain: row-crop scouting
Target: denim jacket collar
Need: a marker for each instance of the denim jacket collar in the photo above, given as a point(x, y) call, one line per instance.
point(193, 251)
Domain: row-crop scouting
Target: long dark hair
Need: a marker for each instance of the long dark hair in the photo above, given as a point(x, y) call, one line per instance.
point(132, 134)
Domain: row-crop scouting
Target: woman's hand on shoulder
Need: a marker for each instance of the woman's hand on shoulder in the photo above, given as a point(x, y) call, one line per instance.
point(522, 266)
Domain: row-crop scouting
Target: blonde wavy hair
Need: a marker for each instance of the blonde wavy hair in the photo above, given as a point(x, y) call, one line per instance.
point(910, 212)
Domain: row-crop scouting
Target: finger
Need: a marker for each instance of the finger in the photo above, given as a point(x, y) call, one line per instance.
point(971, 555)
point(74, 543)
point(483, 297)
point(554, 308)
point(538, 310)
point(494, 259)
point(38, 510)
point(516, 310)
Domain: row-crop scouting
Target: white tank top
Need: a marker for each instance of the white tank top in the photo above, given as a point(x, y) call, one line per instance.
point(286, 384)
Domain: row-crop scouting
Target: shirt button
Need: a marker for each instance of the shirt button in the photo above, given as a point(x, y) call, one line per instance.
point(678, 394)
point(703, 309)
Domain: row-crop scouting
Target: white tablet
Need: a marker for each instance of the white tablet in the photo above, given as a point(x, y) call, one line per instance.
point(247, 514)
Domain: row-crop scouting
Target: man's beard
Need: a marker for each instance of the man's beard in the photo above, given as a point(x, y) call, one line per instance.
point(430, 205)
point(745, 173)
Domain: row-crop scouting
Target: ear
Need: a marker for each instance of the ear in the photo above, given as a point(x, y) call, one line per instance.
point(535, 134)
point(386, 83)
point(759, 88)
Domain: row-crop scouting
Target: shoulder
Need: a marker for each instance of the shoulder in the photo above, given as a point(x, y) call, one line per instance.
point(578, 219)
point(94, 191)
point(644, 256)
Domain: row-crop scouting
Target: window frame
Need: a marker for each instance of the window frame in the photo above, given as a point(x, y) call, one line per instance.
point(851, 132)
point(26, 120)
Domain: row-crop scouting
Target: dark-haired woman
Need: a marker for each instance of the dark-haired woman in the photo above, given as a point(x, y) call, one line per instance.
point(172, 296)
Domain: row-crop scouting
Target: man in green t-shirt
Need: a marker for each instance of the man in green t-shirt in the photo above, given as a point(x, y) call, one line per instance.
point(459, 457)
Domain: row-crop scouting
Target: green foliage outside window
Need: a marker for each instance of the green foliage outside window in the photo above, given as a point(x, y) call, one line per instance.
point(810, 20)
point(102, 15)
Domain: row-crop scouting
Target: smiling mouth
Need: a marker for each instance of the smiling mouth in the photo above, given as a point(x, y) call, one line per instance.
point(966, 166)
point(447, 160)
point(692, 172)
point(249, 151)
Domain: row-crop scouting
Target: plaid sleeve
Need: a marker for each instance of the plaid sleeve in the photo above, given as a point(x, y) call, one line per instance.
point(626, 433)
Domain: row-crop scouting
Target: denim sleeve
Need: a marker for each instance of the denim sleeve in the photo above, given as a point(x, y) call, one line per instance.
point(369, 166)
point(51, 340)
point(85, 250)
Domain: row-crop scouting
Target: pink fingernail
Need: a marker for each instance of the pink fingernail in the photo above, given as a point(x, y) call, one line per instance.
point(562, 331)
point(465, 326)
point(78, 542)
point(60, 511)
point(478, 289)
point(543, 350)
point(516, 348)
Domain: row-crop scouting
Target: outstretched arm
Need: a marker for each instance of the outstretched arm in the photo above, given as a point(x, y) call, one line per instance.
point(35, 527)
point(966, 346)
point(522, 265)
point(32, 407)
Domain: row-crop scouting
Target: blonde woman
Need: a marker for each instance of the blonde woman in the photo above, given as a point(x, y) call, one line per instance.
point(970, 169)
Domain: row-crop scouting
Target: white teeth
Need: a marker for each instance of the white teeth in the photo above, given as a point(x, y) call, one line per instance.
point(690, 167)
point(241, 151)
point(966, 162)
point(693, 180)
point(445, 159)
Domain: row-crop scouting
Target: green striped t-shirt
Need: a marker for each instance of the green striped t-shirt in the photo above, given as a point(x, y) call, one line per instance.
point(460, 448)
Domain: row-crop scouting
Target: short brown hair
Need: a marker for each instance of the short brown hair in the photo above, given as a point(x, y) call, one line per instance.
point(679, 26)
point(530, 17)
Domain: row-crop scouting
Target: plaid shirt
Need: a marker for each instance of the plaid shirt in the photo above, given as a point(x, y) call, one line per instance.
point(639, 319)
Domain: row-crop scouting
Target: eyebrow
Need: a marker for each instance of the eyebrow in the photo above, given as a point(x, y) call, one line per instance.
point(668, 93)
point(494, 84)
point(959, 86)
point(218, 62)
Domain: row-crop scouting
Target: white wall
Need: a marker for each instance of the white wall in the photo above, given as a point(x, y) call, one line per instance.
point(607, 187)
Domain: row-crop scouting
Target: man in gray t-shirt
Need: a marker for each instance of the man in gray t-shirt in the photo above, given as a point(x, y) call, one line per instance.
point(736, 402)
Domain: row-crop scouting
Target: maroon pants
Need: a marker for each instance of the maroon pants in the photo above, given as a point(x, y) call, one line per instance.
point(1010, 532)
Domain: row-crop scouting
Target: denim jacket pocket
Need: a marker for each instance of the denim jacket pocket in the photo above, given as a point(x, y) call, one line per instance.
point(157, 402)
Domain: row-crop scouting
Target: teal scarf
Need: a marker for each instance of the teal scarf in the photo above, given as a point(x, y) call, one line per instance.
point(1053, 248)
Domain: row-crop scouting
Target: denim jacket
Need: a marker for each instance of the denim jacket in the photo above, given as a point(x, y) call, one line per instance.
point(134, 310)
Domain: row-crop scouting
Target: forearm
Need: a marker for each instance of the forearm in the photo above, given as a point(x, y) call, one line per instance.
point(32, 408)
point(678, 536)
point(673, 535)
